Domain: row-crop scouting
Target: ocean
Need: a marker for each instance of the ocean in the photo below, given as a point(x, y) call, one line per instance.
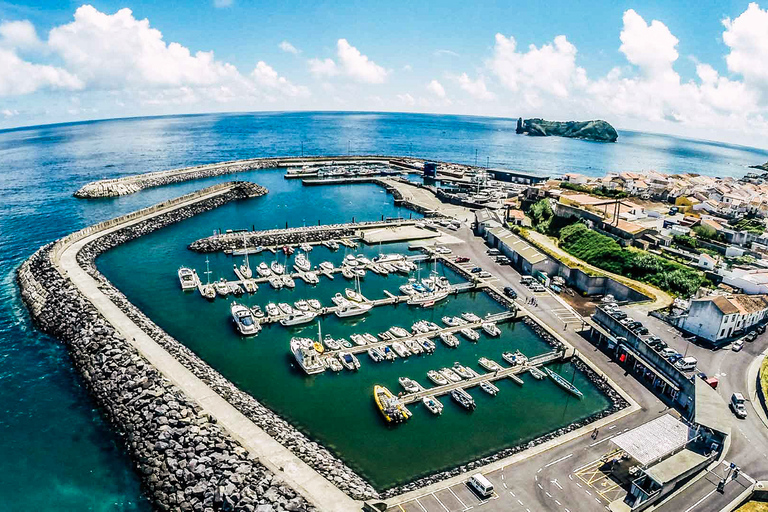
point(56, 452)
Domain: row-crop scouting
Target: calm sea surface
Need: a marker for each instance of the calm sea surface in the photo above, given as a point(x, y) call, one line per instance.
point(56, 453)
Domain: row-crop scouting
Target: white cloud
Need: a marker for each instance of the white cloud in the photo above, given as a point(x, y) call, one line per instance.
point(358, 66)
point(440, 53)
point(747, 38)
point(476, 88)
point(266, 76)
point(436, 88)
point(407, 67)
point(21, 77)
point(220, 4)
point(289, 48)
point(322, 68)
point(9, 113)
point(652, 47)
point(19, 35)
point(406, 99)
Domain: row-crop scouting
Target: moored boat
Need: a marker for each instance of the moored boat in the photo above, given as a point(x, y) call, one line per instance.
point(301, 305)
point(276, 282)
point(491, 329)
point(272, 309)
point(263, 270)
point(389, 405)
point(243, 319)
point(187, 278)
point(398, 331)
point(333, 363)
point(285, 308)
point(437, 378)
point(563, 383)
point(400, 349)
point(489, 364)
point(331, 343)
point(306, 355)
point(470, 334)
point(298, 318)
point(357, 339)
point(462, 370)
point(432, 404)
point(288, 281)
point(315, 304)
point(414, 346)
point(222, 287)
point(410, 385)
point(489, 388)
point(536, 373)
point(369, 338)
point(449, 339)
point(470, 317)
point(276, 268)
point(450, 374)
point(514, 358)
point(349, 361)
point(375, 354)
point(463, 398)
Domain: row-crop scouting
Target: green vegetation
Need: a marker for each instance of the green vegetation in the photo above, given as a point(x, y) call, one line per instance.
point(597, 191)
point(707, 233)
point(741, 260)
point(764, 379)
point(686, 241)
point(604, 252)
point(751, 225)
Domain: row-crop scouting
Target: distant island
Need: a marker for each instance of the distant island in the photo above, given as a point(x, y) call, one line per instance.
point(597, 130)
point(763, 167)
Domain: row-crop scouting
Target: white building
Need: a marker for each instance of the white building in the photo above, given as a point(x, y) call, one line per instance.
point(707, 262)
point(717, 317)
point(751, 282)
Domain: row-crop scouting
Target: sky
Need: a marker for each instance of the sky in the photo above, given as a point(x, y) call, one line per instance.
point(691, 68)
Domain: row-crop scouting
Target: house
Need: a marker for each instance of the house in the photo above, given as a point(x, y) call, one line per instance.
point(719, 317)
point(749, 281)
point(517, 218)
point(687, 203)
point(575, 178)
point(707, 262)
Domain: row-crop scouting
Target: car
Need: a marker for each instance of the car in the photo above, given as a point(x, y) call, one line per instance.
point(461, 259)
point(667, 352)
point(737, 405)
point(536, 287)
point(476, 270)
point(493, 252)
point(509, 292)
point(642, 330)
point(752, 336)
point(737, 345)
point(481, 485)
point(453, 227)
point(634, 324)
point(653, 340)
point(661, 346)
point(619, 315)
point(760, 329)
point(484, 274)
point(502, 260)
point(686, 363)
point(674, 358)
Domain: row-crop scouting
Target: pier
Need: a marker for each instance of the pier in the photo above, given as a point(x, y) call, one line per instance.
point(509, 372)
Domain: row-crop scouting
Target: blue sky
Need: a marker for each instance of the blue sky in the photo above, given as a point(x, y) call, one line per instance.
point(698, 69)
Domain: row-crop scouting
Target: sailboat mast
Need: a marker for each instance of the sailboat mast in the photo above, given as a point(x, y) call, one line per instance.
point(207, 271)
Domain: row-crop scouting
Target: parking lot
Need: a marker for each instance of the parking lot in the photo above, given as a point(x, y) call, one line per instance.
point(457, 498)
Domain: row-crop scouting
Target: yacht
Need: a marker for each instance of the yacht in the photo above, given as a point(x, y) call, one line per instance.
point(375, 354)
point(489, 364)
point(388, 258)
point(414, 346)
point(221, 286)
point(489, 388)
point(369, 338)
point(327, 266)
point(272, 309)
point(250, 286)
point(298, 318)
point(463, 398)
point(276, 282)
point(514, 358)
point(187, 278)
point(449, 339)
point(305, 247)
point(263, 270)
point(315, 304)
point(400, 349)
point(311, 278)
point(333, 363)
point(389, 405)
point(257, 312)
point(433, 404)
point(437, 378)
point(277, 268)
point(301, 305)
point(349, 361)
point(331, 343)
point(288, 281)
point(399, 332)
point(491, 329)
point(358, 339)
point(470, 334)
point(351, 309)
point(302, 263)
point(450, 321)
point(470, 317)
point(243, 319)
point(307, 356)
point(285, 308)
point(410, 386)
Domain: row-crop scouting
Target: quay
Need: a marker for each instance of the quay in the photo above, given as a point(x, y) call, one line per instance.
point(509, 372)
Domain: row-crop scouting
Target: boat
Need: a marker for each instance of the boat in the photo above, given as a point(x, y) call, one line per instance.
point(470, 334)
point(489, 364)
point(349, 361)
point(333, 363)
point(389, 354)
point(276, 282)
point(369, 338)
point(351, 309)
point(344, 342)
point(257, 312)
point(307, 356)
point(285, 308)
point(348, 272)
point(298, 318)
point(315, 304)
point(358, 339)
point(400, 349)
point(432, 404)
point(388, 258)
point(187, 278)
point(276, 268)
point(272, 309)
point(305, 247)
point(362, 260)
point(288, 281)
point(221, 286)
point(463, 398)
point(514, 358)
point(287, 250)
point(450, 321)
point(250, 286)
point(563, 383)
point(449, 339)
point(339, 300)
point(208, 291)
point(414, 346)
point(358, 272)
point(491, 329)
point(437, 378)
point(263, 270)
point(327, 266)
point(319, 347)
point(470, 317)
point(302, 263)
point(331, 343)
point(450, 374)
point(536, 373)
point(489, 388)
point(400, 266)
point(350, 260)
point(407, 288)
point(429, 345)
point(399, 332)
point(243, 319)
point(353, 295)
point(245, 269)
point(409, 385)
point(432, 326)
point(375, 354)
point(389, 405)
point(301, 305)
point(419, 327)
point(311, 277)
point(332, 245)
point(462, 370)
point(236, 289)
point(378, 269)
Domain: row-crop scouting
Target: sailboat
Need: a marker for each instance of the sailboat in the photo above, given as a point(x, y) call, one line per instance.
point(245, 268)
point(207, 290)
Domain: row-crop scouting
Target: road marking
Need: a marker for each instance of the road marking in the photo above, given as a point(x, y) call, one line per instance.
point(577, 483)
point(612, 427)
point(540, 487)
point(604, 440)
point(570, 477)
point(558, 503)
point(539, 471)
point(557, 484)
point(548, 495)
point(513, 494)
point(520, 502)
point(558, 460)
point(462, 503)
point(419, 504)
point(586, 491)
point(505, 485)
point(440, 502)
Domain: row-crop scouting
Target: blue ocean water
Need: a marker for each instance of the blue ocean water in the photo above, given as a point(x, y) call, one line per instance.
point(56, 453)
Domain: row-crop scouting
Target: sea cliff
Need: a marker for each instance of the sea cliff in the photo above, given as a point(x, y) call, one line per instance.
point(597, 130)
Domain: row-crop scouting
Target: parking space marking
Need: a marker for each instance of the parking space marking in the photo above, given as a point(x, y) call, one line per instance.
point(459, 499)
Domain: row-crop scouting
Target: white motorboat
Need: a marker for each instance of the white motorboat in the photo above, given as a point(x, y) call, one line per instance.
point(463, 398)
point(388, 258)
point(489, 388)
point(339, 300)
point(350, 261)
point(243, 319)
point(419, 327)
point(389, 354)
point(298, 318)
point(398, 331)
point(349, 361)
point(432, 404)
point(301, 305)
point(327, 266)
point(263, 270)
point(285, 308)
point(429, 345)
point(309, 359)
point(305, 247)
point(450, 321)
point(315, 304)
point(277, 268)
point(437, 378)
point(331, 343)
point(288, 281)
point(222, 287)
point(333, 245)
point(187, 278)
point(257, 312)
point(379, 269)
point(491, 329)
point(333, 363)
point(208, 291)
point(358, 272)
point(514, 358)
point(369, 338)
point(470, 334)
point(414, 346)
point(311, 278)
point(272, 309)
point(536, 373)
point(276, 282)
point(400, 266)
point(449, 339)
point(432, 326)
point(375, 354)
point(301, 263)
point(400, 349)
point(450, 374)
point(470, 317)
point(489, 364)
point(462, 370)
point(250, 286)
point(353, 295)
point(362, 260)
point(428, 299)
point(410, 386)
point(407, 288)
point(358, 339)
point(352, 309)
point(347, 272)
point(236, 289)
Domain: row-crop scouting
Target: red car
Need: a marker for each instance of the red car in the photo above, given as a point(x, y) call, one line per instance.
point(461, 259)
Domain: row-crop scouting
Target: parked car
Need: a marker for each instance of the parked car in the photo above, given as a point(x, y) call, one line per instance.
point(661, 346)
point(493, 252)
point(461, 259)
point(476, 270)
point(619, 315)
point(737, 405)
point(484, 274)
point(502, 260)
point(752, 336)
point(686, 363)
point(738, 345)
point(509, 292)
point(674, 358)
point(668, 352)
point(642, 330)
point(760, 329)
point(653, 340)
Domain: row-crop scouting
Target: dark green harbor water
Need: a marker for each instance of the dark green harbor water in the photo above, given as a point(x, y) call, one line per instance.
point(337, 409)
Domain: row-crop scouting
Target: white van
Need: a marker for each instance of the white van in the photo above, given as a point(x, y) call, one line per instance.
point(481, 485)
point(526, 280)
point(686, 363)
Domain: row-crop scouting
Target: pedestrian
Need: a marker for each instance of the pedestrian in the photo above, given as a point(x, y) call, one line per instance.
point(565, 326)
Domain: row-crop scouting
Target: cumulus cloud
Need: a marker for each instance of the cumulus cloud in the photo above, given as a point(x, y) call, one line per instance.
point(436, 88)
point(407, 99)
point(322, 68)
point(359, 66)
point(21, 77)
point(19, 35)
point(476, 88)
point(266, 76)
point(747, 38)
point(652, 47)
point(289, 48)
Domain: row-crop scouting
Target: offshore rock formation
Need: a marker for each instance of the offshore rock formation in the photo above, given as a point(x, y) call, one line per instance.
point(763, 167)
point(598, 130)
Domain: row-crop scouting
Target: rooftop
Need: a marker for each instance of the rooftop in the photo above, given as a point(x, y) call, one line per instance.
point(678, 464)
point(653, 440)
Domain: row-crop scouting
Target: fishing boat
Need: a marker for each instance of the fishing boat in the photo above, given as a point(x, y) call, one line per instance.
point(563, 383)
point(357, 339)
point(450, 321)
point(491, 329)
point(462, 370)
point(277, 268)
point(489, 388)
point(414, 346)
point(514, 358)
point(470, 317)
point(301, 263)
point(489, 364)
point(470, 334)
point(429, 345)
point(463, 398)
point(536, 373)
point(301, 305)
point(369, 338)
point(315, 304)
point(222, 288)
point(187, 278)
point(389, 405)
point(375, 354)
point(307, 356)
point(333, 363)
point(450, 374)
point(327, 266)
point(449, 339)
point(432, 404)
point(272, 309)
point(285, 308)
point(288, 281)
point(298, 318)
point(398, 331)
point(389, 354)
point(400, 349)
point(349, 361)
point(437, 378)
point(410, 386)
point(263, 270)
point(243, 319)
point(331, 343)
point(257, 312)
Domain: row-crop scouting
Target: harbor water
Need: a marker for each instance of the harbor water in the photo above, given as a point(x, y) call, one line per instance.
point(51, 431)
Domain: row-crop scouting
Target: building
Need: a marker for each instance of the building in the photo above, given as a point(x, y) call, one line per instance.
point(751, 282)
point(707, 262)
point(522, 178)
point(525, 258)
point(719, 317)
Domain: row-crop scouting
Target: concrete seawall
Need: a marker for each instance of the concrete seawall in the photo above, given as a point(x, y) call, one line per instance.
point(181, 421)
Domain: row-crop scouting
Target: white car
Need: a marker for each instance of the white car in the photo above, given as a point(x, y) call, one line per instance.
point(484, 274)
point(737, 345)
